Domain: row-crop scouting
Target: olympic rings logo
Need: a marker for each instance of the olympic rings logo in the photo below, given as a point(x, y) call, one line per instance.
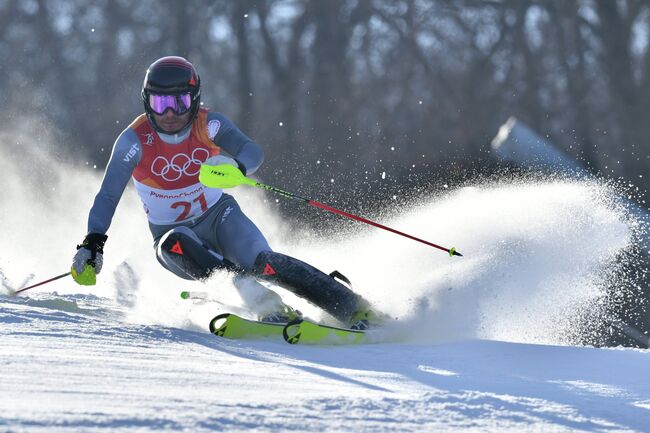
point(180, 165)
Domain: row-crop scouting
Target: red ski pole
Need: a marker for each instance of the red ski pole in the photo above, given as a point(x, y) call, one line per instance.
point(41, 283)
point(228, 176)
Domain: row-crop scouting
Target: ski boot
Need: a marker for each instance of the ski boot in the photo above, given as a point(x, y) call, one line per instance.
point(367, 318)
point(285, 315)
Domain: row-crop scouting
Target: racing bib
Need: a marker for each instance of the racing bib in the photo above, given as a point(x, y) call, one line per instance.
point(167, 176)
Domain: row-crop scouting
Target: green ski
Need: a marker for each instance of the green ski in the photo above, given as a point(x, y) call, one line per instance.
point(306, 332)
point(234, 327)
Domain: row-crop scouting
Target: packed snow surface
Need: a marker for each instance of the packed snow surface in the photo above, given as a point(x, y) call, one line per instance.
point(485, 342)
point(73, 364)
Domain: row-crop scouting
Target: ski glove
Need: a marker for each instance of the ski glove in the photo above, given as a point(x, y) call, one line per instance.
point(88, 261)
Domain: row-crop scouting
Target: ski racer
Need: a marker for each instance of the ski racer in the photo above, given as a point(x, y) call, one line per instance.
point(197, 230)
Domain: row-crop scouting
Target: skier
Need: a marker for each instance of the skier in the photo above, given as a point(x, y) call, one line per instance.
point(197, 230)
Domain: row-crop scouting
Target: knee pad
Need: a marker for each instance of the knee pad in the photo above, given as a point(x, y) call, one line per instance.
point(181, 251)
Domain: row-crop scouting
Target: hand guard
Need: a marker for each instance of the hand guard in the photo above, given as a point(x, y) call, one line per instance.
point(222, 172)
point(223, 159)
point(88, 260)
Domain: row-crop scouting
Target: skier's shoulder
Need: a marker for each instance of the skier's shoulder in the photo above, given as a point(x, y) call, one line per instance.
point(128, 145)
point(216, 121)
point(139, 122)
point(211, 114)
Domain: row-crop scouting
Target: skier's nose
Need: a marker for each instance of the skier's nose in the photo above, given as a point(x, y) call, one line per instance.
point(169, 114)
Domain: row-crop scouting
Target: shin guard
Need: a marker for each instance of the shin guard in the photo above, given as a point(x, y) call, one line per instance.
point(309, 283)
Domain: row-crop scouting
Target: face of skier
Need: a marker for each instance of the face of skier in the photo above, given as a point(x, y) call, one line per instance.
point(170, 122)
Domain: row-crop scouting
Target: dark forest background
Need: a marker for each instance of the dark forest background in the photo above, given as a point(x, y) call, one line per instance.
point(376, 94)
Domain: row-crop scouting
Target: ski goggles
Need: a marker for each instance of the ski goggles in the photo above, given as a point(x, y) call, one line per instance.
point(179, 104)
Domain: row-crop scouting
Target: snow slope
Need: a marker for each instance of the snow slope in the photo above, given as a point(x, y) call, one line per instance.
point(485, 340)
point(71, 364)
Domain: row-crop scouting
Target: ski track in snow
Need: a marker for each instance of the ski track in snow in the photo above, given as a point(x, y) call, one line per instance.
point(74, 364)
